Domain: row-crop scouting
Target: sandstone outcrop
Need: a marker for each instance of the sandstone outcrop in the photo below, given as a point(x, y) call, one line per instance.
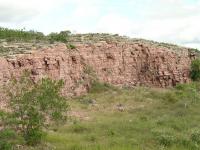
point(118, 63)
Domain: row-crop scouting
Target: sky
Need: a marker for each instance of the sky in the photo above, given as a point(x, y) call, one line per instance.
point(173, 21)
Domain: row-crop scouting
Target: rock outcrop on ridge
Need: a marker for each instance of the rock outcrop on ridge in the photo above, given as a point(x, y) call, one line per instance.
point(121, 62)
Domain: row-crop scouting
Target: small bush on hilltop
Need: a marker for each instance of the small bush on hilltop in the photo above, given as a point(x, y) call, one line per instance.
point(71, 46)
point(34, 106)
point(59, 37)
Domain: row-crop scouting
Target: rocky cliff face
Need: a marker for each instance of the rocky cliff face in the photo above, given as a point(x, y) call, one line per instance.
point(118, 63)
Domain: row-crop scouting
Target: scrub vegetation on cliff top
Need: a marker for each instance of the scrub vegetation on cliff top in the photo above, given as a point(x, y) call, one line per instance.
point(14, 41)
point(23, 35)
point(32, 36)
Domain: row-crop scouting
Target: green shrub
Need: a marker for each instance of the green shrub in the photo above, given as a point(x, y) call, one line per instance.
point(98, 87)
point(59, 37)
point(195, 70)
point(188, 92)
point(79, 128)
point(33, 136)
point(71, 46)
point(184, 93)
point(170, 97)
point(5, 145)
point(33, 104)
point(6, 139)
point(165, 138)
point(195, 136)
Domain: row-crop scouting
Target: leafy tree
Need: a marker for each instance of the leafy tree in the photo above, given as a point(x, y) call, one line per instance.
point(195, 70)
point(34, 106)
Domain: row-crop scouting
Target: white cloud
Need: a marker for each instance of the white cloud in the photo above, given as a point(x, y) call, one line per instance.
point(175, 21)
point(86, 10)
point(170, 21)
point(6, 14)
point(21, 10)
point(114, 23)
point(39, 5)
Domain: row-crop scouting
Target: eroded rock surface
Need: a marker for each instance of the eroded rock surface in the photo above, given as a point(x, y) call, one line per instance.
point(118, 63)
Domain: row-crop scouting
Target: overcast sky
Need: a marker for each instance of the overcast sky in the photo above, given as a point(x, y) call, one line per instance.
point(174, 21)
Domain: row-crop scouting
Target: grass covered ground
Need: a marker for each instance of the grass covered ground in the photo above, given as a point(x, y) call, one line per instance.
point(131, 119)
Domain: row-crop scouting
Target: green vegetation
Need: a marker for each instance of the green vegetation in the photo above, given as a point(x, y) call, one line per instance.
point(29, 36)
point(98, 87)
point(20, 35)
point(59, 37)
point(8, 138)
point(34, 106)
point(107, 118)
point(110, 118)
point(70, 46)
point(195, 70)
point(132, 119)
point(22, 41)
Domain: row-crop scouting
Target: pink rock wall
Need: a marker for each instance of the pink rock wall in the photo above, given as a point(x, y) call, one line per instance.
point(122, 64)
